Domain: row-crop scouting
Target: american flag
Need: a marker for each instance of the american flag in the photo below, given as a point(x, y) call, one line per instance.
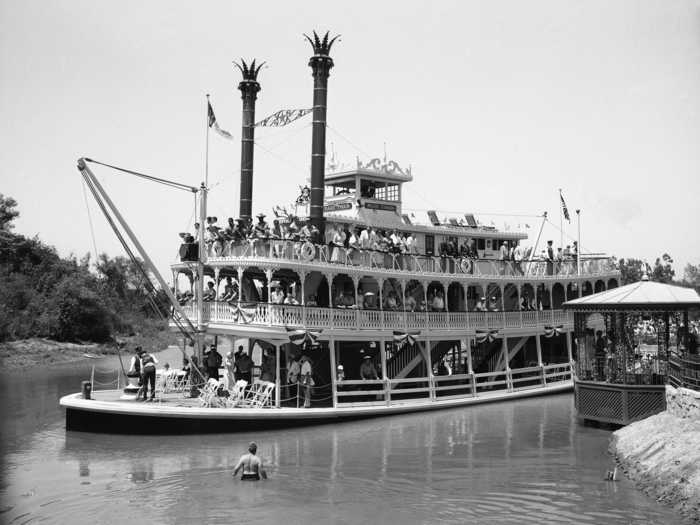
point(214, 124)
point(564, 208)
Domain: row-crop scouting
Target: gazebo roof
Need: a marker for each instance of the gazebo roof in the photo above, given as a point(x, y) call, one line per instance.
point(643, 295)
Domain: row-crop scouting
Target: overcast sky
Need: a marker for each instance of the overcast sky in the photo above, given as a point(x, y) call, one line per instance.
point(495, 104)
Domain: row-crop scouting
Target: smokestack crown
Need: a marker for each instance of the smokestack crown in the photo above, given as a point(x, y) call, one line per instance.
point(321, 46)
point(250, 76)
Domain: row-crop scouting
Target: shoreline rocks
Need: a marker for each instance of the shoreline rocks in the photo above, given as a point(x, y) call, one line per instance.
point(661, 453)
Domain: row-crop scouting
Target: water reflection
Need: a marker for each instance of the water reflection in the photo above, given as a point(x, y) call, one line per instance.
point(520, 462)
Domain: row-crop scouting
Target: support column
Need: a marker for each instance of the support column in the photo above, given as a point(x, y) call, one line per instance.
point(429, 364)
point(504, 349)
point(278, 381)
point(334, 370)
point(387, 385)
point(239, 272)
point(568, 347)
point(539, 356)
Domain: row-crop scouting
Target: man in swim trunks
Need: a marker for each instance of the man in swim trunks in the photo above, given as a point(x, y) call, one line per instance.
point(251, 465)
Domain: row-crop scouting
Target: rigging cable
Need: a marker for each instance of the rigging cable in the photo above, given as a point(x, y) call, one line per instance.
point(92, 229)
point(172, 184)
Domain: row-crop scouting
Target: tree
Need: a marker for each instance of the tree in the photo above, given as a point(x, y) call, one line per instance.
point(691, 276)
point(663, 271)
point(8, 213)
point(631, 270)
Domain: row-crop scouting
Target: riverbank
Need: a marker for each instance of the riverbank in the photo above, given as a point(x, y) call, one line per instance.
point(661, 453)
point(39, 352)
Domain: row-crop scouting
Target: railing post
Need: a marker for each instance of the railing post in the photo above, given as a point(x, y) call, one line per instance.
point(387, 386)
point(334, 369)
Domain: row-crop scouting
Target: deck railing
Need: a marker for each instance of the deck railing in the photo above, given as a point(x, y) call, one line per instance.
point(307, 253)
point(356, 393)
point(353, 319)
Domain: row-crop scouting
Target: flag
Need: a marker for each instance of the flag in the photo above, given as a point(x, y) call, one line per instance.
point(564, 208)
point(283, 117)
point(214, 124)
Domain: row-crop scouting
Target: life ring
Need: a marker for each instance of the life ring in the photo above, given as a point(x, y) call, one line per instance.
point(308, 251)
point(465, 265)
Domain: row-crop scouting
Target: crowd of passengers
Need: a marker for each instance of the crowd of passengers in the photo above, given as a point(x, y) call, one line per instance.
point(346, 241)
point(281, 294)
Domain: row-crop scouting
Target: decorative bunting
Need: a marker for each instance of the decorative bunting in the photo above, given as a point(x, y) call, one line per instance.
point(282, 118)
point(551, 331)
point(244, 315)
point(486, 335)
point(299, 337)
point(401, 338)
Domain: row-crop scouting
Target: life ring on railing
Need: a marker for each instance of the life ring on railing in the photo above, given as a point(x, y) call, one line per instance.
point(308, 251)
point(465, 265)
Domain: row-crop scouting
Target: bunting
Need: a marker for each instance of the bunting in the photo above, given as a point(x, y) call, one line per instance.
point(486, 335)
point(551, 331)
point(299, 337)
point(282, 118)
point(241, 315)
point(401, 338)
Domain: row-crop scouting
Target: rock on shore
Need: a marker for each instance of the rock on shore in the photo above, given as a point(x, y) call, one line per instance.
point(662, 453)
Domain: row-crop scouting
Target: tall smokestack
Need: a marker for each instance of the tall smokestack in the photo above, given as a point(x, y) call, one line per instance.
point(321, 64)
point(249, 92)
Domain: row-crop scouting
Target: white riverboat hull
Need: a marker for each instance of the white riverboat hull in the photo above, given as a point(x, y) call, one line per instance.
point(107, 413)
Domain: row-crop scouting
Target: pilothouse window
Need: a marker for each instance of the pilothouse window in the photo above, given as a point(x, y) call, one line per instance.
point(341, 188)
point(371, 189)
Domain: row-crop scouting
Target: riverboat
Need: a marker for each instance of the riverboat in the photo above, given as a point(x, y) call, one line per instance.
point(446, 321)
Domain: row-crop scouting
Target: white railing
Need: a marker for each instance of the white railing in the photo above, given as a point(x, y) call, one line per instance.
point(303, 252)
point(434, 388)
point(354, 319)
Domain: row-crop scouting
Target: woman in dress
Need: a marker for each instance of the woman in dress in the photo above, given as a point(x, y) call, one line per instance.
point(337, 244)
point(229, 367)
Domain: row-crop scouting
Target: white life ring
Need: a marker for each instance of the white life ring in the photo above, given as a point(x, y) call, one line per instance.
point(465, 265)
point(308, 251)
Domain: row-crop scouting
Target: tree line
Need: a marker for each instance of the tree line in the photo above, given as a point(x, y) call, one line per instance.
point(67, 298)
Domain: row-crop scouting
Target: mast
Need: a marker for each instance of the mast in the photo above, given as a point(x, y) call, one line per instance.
point(321, 64)
point(537, 242)
point(201, 258)
point(249, 87)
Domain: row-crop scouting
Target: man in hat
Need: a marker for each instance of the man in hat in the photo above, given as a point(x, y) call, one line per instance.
point(480, 306)
point(251, 465)
point(340, 373)
point(148, 374)
point(367, 369)
point(213, 361)
point(549, 257)
point(209, 292)
point(244, 365)
point(261, 233)
point(306, 379)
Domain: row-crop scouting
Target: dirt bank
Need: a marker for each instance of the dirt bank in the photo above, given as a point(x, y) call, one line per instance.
point(29, 353)
point(662, 453)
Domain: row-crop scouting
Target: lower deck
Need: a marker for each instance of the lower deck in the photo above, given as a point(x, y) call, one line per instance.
point(173, 413)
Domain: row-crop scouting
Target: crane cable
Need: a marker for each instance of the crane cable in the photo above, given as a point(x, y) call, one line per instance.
point(172, 184)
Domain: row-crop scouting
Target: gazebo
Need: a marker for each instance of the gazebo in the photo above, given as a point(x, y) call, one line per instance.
point(630, 342)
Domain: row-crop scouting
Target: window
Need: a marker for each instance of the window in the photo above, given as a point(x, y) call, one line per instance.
point(481, 244)
point(379, 190)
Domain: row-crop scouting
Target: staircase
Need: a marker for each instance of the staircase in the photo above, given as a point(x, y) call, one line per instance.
point(485, 356)
point(409, 362)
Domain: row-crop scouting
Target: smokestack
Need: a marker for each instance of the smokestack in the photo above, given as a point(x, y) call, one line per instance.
point(321, 64)
point(249, 92)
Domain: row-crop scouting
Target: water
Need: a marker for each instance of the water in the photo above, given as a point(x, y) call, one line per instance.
point(517, 462)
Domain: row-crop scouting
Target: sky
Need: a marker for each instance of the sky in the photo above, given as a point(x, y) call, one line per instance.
point(494, 104)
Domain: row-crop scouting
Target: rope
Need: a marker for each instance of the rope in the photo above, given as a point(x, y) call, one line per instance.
point(92, 229)
point(166, 182)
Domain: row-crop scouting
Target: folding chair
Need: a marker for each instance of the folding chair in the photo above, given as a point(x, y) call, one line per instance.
point(207, 394)
point(237, 393)
point(259, 394)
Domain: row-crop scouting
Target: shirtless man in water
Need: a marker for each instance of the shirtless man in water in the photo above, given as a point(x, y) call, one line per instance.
point(251, 465)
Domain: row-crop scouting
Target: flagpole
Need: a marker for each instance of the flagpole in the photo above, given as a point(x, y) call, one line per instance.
point(578, 248)
point(206, 160)
point(561, 220)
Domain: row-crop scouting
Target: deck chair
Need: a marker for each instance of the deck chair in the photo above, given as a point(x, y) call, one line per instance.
point(207, 394)
point(237, 393)
point(259, 395)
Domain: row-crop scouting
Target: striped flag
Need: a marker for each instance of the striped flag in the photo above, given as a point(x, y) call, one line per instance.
point(564, 208)
point(214, 124)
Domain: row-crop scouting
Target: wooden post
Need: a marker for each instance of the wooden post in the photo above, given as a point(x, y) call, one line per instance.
point(568, 347)
point(387, 385)
point(278, 381)
point(506, 368)
point(334, 390)
point(429, 364)
point(539, 358)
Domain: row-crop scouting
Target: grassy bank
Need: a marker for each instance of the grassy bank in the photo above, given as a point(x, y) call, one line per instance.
point(38, 352)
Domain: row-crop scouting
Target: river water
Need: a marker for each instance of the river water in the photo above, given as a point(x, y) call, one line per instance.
point(524, 461)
